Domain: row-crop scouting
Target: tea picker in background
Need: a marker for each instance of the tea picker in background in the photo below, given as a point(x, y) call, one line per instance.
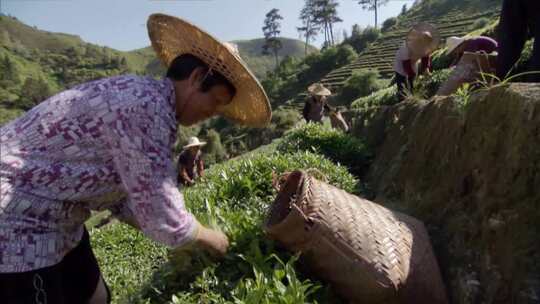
point(316, 103)
point(519, 18)
point(107, 144)
point(457, 46)
point(474, 58)
point(190, 163)
point(337, 120)
point(414, 57)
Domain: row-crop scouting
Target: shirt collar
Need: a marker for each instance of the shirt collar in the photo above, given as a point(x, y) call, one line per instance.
point(168, 89)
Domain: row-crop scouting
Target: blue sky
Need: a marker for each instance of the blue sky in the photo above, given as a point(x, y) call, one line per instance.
point(120, 24)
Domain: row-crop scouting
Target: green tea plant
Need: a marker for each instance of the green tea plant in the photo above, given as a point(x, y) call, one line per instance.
point(362, 82)
point(463, 95)
point(337, 146)
point(386, 96)
point(429, 84)
point(234, 197)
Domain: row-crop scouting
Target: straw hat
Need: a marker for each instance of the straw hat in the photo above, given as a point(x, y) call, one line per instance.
point(453, 42)
point(172, 37)
point(194, 142)
point(423, 39)
point(318, 89)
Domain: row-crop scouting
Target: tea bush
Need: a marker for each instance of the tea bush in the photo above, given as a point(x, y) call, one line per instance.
point(428, 85)
point(387, 96)
point(234, 197)
point(361, 83)
point(334, 144)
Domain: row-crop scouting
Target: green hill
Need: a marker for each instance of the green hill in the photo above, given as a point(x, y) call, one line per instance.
point(260, 64)
point(250, 50)
point(451, 17)
point(40, 63)
point(11, 29)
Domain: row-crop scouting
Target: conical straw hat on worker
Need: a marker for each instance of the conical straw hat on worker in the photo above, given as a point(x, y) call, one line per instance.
point(453, 42)
point(318, 89)
point(194, 142)
point(172, 37)
point(423, 39)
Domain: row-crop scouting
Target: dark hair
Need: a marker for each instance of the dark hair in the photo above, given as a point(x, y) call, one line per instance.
point(182, 66)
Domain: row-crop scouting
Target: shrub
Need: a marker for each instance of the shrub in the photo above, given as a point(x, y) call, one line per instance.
point(336, 145)
point(428, 85)
point(361, 83)
point(233, 196)
point(386, 96)
point(345, 54)
point(214, 150)
point(283, 120)
point(441, 60)
point(480, 23)
point(388, 23)
point(360, 39)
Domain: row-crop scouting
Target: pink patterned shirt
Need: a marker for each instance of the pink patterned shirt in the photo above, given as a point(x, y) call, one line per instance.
point(105, 144)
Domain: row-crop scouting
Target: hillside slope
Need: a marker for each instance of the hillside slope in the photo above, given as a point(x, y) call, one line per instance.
point(451, 17)
point(260, 64)
point(250, 51)
point(470, 172)
point(55, 61)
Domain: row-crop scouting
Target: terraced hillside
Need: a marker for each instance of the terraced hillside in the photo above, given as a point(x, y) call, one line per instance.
point(380, 55)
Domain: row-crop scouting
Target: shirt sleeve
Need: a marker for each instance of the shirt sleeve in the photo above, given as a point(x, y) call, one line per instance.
point(143, 159)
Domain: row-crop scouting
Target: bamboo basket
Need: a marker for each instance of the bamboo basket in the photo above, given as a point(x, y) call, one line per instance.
point(368, 253)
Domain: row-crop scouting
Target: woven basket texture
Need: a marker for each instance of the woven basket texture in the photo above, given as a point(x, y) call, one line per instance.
point(368, 253)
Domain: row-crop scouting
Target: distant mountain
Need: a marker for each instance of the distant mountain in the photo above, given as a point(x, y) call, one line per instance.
point(35, 64)
point(15, 35)
point(250, 51)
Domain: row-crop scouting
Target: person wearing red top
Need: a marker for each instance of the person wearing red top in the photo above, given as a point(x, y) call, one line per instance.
point(190, 162)
point(414, 57)
point(407, 67)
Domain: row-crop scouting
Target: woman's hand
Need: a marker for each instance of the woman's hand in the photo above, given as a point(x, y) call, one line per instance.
point(214, 241)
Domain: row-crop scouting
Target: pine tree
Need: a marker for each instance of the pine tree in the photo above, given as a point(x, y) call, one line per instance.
point(309, 28)
point(373, 5)
point(271, 34)
point(325, 15)
point(403, 9)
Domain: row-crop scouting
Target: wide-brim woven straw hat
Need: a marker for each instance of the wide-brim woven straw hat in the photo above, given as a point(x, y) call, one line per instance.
point(194, 142)
point(172, 37)
point(423, 39)
point(453, 42)
point(318, 89)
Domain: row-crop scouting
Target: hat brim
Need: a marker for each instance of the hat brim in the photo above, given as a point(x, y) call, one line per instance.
point(172, 37)
point(325, 92)
point(449, 50)
point(202, 143)
point(416, 45)
point(318, 90)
